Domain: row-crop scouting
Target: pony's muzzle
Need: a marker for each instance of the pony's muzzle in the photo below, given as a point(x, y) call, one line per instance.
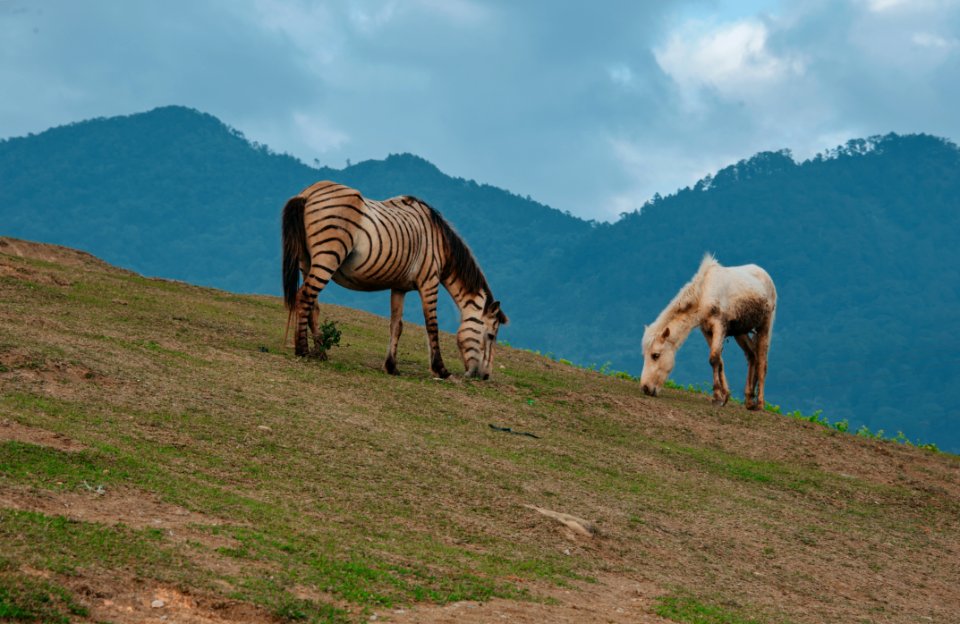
point(649, 390)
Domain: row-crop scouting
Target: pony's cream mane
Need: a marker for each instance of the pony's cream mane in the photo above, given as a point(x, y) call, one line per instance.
point(685, 301)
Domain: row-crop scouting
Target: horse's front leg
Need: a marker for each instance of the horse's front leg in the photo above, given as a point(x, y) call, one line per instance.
point(396, 328)
point(428, 297)
point(714, 334)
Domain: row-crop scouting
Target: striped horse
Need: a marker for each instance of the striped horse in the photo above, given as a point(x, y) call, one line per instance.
point(332, 232)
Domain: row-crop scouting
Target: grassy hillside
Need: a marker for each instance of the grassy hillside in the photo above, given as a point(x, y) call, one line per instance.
point(161, 454)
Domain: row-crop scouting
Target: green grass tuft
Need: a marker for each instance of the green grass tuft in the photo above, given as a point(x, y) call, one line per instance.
point(689, 610)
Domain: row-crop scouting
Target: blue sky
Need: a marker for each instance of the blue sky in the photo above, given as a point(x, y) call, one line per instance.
point(589, 107)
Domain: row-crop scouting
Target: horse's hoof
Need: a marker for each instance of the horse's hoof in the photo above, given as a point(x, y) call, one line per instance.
point(753, 407)
point(717, 402)
point(390, 368)
point(441, 374)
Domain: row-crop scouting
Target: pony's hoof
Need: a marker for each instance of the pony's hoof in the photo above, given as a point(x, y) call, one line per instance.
point(753, 407)
point(390, 367)
point(441, 374)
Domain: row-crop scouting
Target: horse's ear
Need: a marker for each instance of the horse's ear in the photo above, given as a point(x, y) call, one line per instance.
point(666, 333)
point(496, 311)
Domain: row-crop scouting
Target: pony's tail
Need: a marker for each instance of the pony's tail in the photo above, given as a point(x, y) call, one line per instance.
point(294, 253)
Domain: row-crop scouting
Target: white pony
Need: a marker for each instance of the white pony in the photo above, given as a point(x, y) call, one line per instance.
point(724, 301)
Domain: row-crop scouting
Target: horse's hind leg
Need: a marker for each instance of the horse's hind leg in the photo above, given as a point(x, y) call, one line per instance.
point(715, 335)
point(306, 309)
point(763, 350)
point(749, 349)
point(396, 328)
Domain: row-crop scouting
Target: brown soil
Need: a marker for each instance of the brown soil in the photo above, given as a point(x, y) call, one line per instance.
point(612, 599)
point(139, 510)
point(12, 430)
point(123, 599)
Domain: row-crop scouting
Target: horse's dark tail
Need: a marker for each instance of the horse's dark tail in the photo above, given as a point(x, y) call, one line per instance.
point(294, 252)
point(294, 248)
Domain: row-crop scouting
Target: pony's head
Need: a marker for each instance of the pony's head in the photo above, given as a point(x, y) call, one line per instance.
point(477, 337)
point(659, 356)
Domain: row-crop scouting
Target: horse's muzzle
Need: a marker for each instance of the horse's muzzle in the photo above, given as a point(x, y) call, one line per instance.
point(649, 390)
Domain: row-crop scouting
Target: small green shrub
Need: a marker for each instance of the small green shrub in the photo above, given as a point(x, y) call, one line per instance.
point(327, 337)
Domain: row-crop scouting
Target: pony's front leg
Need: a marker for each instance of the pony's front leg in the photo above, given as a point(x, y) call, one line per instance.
point(428, 297)
point(396, 328)
point(714, 334)
point(749, 349)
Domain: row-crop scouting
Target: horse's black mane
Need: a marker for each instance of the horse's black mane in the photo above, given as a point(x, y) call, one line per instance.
point(460, 261)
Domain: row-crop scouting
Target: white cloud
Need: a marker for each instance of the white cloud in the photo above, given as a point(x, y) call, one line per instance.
point(732, 59)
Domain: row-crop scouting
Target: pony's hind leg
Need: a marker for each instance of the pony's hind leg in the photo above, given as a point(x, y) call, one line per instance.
point(396, 328)
point(763, 351)
point(749, 349)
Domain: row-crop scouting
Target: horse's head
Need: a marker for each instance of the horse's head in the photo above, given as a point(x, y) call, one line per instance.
point(477, 338)
point(659, 354)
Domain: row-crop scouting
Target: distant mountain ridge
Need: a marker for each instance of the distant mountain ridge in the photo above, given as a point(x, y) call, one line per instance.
point(859, 241)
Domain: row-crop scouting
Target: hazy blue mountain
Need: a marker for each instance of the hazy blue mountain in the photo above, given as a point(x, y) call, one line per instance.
point(859, 241)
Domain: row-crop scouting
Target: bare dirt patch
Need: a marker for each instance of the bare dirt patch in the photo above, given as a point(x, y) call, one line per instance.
point(128, 506)
point(56, 377)
point(11, 430)
point(612, 599)
point(124, 600)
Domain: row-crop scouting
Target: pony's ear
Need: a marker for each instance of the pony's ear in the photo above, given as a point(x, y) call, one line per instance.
point(666, 333)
